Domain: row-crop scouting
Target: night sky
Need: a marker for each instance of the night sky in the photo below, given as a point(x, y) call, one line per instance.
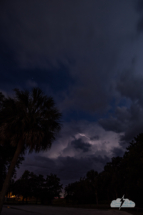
point(87, 55)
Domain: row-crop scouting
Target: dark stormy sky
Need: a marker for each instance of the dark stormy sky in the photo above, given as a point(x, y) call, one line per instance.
point(87, 55)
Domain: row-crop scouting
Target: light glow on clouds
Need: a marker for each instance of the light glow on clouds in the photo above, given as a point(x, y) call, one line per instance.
point(103, 146)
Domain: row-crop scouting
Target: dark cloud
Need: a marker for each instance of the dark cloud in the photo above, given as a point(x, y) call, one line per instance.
point(112, 124)
point(128, 121)
point(132, 132)
point(130, 85)
point(68, 169)
point(78, 53)
point(117, 152)
point(7, 57)
point(79, 144)
point(44, 35)
point(127, 118)
point(118, 121)
point(59, 79)
point(96, 137)
point(139, 7)
point(140, 24)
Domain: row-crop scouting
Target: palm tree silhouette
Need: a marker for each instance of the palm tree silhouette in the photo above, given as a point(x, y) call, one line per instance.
point(30, 120)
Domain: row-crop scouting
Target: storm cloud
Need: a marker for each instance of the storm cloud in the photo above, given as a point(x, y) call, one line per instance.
point(68, 169)
point(78, 144)
point(87, 55)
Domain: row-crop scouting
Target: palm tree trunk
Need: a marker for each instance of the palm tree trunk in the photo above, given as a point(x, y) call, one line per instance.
point(9, 174)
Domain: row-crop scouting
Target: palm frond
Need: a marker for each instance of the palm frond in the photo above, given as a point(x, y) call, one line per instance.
point(31, 116)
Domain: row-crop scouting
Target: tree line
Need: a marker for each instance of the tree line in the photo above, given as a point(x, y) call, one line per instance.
point(31, 185)
point(121, 176)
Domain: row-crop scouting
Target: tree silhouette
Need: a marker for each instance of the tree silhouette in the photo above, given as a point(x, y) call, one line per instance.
point(113, 168)
point(6, 155)
point(123, 175)
point(26, 186)
point(44, 189)
point(133, 159)
point(52, 188)
point(92, 177)
point(28, 119)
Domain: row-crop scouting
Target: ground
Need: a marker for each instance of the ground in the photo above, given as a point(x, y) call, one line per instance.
point(49, 210)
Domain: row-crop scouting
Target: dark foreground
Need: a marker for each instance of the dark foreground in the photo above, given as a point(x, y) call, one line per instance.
point(49, 210)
